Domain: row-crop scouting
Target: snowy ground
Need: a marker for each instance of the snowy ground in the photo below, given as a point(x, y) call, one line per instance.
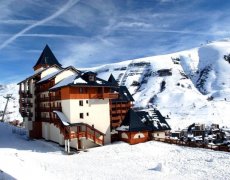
point(38, 159)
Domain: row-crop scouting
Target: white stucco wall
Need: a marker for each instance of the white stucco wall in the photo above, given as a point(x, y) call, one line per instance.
point(28, 124)
point(51, 132)
point(159, 134)
point(39, 69)
point(124, 135)
point(64, 75)
point(98, 110)
point(74, 143)
point(49, 71)
point(87, 144)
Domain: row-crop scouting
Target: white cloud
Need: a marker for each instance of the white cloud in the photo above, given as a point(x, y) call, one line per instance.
point(68, 5)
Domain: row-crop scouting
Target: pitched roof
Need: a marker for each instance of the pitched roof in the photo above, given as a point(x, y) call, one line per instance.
point(124, 94)
point(154, 119)
point(112, 80)
point(38, 73)
point(47, 57)
point(149, 120)
point(54, 74)
point(81, 80)
point(133, 123)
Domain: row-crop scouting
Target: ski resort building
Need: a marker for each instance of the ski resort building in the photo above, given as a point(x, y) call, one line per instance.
point(71, 107)
point(141, 126)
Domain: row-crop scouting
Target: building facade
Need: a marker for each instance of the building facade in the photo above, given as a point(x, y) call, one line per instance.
point(70, 107)
point(77, 109)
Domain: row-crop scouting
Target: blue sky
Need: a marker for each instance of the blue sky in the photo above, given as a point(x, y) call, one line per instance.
point(87, 33)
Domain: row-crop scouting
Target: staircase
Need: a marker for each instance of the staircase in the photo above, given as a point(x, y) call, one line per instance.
point(83, 130)
point(80, 131)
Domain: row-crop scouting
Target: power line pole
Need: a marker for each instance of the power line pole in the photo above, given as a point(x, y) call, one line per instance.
point(8, 97)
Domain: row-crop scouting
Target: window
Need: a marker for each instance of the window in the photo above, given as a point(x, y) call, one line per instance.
point(81, 115)
point(87, 102)
point(81, 90)
point(157, 134)
point(91, 78)
point(80, 103)
point(87, 114)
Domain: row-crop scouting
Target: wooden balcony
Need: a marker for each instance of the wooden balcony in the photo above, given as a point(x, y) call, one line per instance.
point(45, 119)
point(111, 95)
point(26, 94)
point(104, 96)
point(83, 130)
point(56, 109)
point(44, 109)
point(26, 113)
point(43, 99)
point(115, 118)
point(27, 104)
point(55, 98)
point(116, 124)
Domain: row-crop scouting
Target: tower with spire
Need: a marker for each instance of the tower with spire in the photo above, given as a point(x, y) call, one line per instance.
point(46, 59)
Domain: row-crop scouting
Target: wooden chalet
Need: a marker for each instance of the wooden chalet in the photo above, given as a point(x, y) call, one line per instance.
point(141, 126)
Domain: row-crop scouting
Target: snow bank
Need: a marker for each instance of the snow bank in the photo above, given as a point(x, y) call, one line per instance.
point(38, 159)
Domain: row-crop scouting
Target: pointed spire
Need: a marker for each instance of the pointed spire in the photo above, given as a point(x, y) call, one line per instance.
point(112, 80)
point(46, 59)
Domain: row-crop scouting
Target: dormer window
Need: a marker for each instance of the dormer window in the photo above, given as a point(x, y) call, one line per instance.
point(91, 78)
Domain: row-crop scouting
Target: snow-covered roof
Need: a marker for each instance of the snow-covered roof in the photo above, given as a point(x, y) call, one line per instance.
point(62, 117)
point(49, 76)
point(148, 120)
point(154, 119)
point(79, 80)
point(123, 128)
point(38, 73)
point(65, 82)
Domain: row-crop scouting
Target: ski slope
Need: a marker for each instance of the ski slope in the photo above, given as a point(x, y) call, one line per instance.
point(25, 160)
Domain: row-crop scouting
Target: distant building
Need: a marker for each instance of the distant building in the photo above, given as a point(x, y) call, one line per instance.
point(164, 72)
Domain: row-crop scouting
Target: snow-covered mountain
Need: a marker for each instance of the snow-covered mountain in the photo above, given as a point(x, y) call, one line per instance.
point(188, 86)
point(12, 111)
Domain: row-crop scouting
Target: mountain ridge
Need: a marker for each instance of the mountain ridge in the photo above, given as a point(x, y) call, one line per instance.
point(187, 86)
point(194, 88)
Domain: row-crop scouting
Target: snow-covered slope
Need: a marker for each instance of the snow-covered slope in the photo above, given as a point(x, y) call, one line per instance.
point(12, 111)
point(188, 86)
point(181, 84)
point(39, 159)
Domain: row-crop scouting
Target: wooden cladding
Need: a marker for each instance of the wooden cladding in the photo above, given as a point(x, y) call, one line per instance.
point(118, 111)
point(45, 86)
point(87, 93)
point(25, 94)
point(132, 139)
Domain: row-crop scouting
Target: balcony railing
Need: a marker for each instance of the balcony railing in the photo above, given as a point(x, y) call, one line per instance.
point(56, 109)
point(26, 113)
point(43, 99)
point(55, 98)
point(25, 94)
point(44, 109)
point(48, 109)
point(45, 119)
point(104, 96)
point(27, 104)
